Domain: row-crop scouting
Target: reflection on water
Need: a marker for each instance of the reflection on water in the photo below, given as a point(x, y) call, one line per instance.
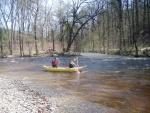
point(121, 83)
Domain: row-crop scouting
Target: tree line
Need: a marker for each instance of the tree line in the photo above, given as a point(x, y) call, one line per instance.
point(100, 26)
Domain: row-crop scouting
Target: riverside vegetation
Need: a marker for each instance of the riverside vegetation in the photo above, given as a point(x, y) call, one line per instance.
point(107, 27)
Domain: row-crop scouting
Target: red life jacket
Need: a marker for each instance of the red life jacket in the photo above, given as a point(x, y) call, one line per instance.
point(54, 62)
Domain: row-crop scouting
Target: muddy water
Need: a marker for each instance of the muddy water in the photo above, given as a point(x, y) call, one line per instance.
point(118, 84)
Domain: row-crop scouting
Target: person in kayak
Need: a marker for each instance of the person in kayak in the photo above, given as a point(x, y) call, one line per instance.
point(72, 63)
point(55, 62)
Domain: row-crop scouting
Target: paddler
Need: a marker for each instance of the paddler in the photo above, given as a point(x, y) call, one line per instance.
point(55, 62)
point(72, 63)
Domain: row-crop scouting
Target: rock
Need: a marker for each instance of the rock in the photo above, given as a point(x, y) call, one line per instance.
point(45, 98)
point(55, 55)
point(9, 56)
point(42, 110)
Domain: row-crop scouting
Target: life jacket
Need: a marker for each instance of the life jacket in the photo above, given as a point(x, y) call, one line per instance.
point(54, 62)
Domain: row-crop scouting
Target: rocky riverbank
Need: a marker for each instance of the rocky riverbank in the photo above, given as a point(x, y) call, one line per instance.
point(16, 97)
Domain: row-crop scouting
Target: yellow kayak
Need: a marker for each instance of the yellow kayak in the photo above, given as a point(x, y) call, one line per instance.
point(63, 69)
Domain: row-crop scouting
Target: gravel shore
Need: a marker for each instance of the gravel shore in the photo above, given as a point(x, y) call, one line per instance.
point(16, 97)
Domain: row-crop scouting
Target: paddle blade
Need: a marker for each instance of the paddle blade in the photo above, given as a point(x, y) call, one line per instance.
point(79, 71)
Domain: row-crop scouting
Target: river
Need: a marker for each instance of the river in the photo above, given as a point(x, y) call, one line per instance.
point(109, 83)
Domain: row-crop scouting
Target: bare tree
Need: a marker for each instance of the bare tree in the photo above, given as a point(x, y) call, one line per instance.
point(76, 21)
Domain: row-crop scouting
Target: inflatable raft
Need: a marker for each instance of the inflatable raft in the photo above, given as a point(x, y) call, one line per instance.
point(63, 69)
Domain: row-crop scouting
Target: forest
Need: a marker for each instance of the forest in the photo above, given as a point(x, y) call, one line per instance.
point(30, 27)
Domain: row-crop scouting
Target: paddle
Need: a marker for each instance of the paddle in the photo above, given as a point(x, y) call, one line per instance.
point(78, 66)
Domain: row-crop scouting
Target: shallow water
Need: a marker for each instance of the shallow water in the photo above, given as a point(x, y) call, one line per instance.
point(120, 83)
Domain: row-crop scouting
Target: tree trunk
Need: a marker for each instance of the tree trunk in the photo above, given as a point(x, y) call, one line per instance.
point(99, 35)
point(144, 16)
point(112, 26)
point(120, 26)
point(52, 34)
point(108, 28)
point(20, 43)
point(12, 29)
point(103, 35)
point(93, 38)
point(133, 31)
point(22, 29)
point(137, 26)
point(148, 15)
point(30, 54)
point(129, 25)
point(35, 27)
point(69, 40)
point(1, 42)
point(62, 37)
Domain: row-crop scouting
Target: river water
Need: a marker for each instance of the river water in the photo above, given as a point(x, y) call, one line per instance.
point(114, 83)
